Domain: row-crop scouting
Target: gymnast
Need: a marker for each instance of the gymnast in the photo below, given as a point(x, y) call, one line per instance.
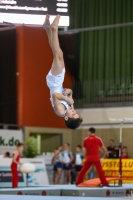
point(61, 99)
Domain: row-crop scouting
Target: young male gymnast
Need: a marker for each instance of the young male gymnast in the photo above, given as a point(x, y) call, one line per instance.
point(61, 99)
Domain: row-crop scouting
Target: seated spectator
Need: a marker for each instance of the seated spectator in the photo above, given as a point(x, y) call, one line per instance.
point(124, 152)
point(113, 151)
point(7, 155)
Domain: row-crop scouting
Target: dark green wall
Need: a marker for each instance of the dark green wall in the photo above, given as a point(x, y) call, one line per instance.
point(105, 53)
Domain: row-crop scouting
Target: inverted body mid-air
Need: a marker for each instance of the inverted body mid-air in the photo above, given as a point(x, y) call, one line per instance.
point(61, 99)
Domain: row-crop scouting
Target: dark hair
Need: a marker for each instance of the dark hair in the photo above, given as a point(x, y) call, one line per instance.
point(92, 130)
point(19, 144)
point(111, 140)
point(7, 154)
point(73, 123)
point(67, 144)
point(79, 146)
point(59, 146)
point(124, 147)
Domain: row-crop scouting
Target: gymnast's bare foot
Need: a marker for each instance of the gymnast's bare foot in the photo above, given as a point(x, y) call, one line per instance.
point(46, 24)
point(55, 23)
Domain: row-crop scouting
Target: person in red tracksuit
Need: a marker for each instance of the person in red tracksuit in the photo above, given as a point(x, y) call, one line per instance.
point(15, 162)
point(91, 147)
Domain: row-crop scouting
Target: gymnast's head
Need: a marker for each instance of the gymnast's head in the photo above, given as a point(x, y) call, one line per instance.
point(20, 146)
point(91, 131)
point(72, 119)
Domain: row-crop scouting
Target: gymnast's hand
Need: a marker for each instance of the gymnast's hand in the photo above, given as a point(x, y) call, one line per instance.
point(70, 101)
point(66, 91)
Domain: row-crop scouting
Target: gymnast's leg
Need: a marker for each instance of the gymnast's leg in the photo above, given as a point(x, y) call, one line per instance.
point(52, 33)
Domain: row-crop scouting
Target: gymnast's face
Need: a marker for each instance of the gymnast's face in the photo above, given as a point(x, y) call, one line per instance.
point(124, 150)
point(66, 147)
point(111, 142)
point(21, 148)
point(71, 113)
point(60, 148)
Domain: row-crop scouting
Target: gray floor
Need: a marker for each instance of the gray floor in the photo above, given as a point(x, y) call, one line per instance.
point(13, 197)
point(65, 192)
